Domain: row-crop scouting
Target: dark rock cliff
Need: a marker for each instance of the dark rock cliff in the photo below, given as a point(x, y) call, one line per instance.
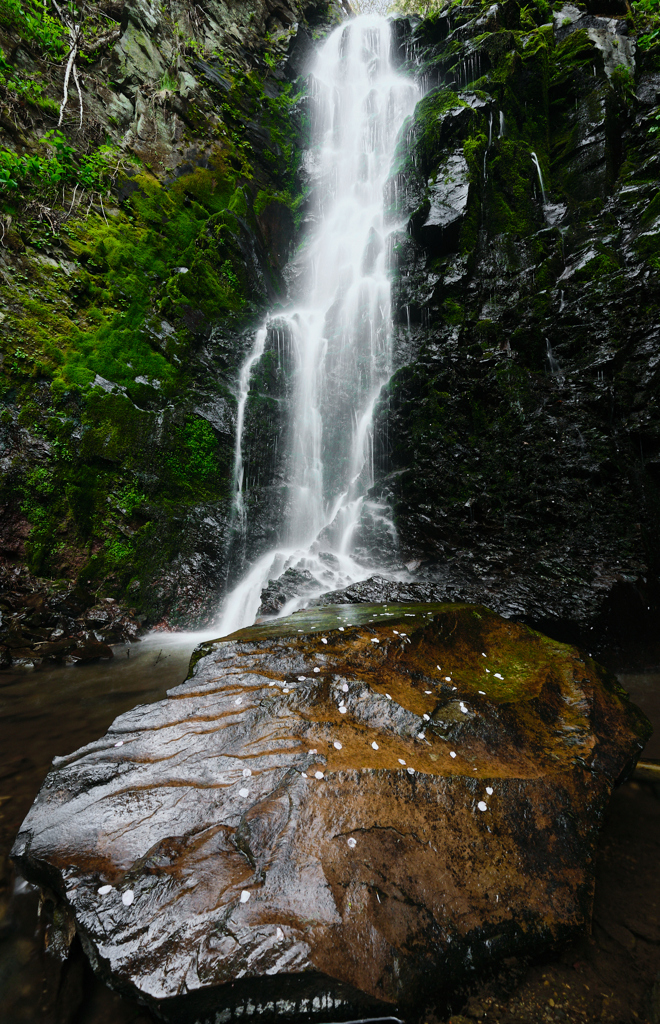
point(518, 439)
point(519, 436)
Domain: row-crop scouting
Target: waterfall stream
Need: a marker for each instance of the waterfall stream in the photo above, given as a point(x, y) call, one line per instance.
point(339, 329)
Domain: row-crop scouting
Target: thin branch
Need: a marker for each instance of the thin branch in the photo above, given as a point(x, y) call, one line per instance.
point(102, 210)
point(73, 199)
point(80, 99)
point(65, 91)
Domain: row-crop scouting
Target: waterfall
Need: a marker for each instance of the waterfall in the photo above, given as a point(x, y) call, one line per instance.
point(535, 161)
point(339, 325)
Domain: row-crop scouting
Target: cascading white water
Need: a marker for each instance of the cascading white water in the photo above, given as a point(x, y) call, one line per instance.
point(340, 332)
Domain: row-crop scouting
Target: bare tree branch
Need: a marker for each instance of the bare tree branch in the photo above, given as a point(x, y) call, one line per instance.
point(67, 74)
point(74, 44)
point(80, 99)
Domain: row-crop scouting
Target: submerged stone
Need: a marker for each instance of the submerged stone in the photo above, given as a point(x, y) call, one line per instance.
point(366, 867)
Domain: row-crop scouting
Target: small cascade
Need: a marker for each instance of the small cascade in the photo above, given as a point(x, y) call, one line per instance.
point(502, 125)
point(535, 161)
point(238, 520)
point(339, 331)
point(555, 368)
point(490, 139)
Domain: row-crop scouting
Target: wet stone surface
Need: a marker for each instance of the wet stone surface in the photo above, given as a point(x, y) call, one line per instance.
point(432, 794)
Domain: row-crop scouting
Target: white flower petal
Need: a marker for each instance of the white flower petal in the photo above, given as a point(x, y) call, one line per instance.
point(127, 897)
point(245, 895)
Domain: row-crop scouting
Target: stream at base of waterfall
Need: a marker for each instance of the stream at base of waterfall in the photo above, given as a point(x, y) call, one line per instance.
point(337, 334)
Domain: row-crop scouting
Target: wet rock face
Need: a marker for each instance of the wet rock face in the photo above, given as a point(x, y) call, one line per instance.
point(424, 782)
point(517, 442)
point(42, 623)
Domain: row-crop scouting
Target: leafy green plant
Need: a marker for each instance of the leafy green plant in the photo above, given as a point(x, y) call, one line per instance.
point(33, 22)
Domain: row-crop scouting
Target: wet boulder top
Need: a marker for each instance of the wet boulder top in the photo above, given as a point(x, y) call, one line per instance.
point(424, 781)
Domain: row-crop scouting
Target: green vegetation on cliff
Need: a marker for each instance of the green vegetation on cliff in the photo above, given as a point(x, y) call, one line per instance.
point(133, 263)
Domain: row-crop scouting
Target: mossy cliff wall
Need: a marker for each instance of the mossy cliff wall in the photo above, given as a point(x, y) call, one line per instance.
point(139, 251)
point(518, 441)
point(520, 435)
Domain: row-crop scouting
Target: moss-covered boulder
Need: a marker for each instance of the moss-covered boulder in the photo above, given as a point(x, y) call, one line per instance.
point(425, 782)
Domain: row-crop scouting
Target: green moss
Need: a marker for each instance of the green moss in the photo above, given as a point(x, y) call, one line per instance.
point(599, 266)
point(433, 129)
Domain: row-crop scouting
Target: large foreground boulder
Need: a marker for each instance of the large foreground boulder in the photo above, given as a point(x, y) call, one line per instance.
point(348, 809)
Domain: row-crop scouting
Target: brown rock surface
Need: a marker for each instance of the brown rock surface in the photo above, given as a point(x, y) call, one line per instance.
point(266, 848)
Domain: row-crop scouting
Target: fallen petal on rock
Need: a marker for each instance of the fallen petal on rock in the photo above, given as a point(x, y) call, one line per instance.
point(482, 805)
point(104, 890)
point(127, 897)
point(245, 895)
